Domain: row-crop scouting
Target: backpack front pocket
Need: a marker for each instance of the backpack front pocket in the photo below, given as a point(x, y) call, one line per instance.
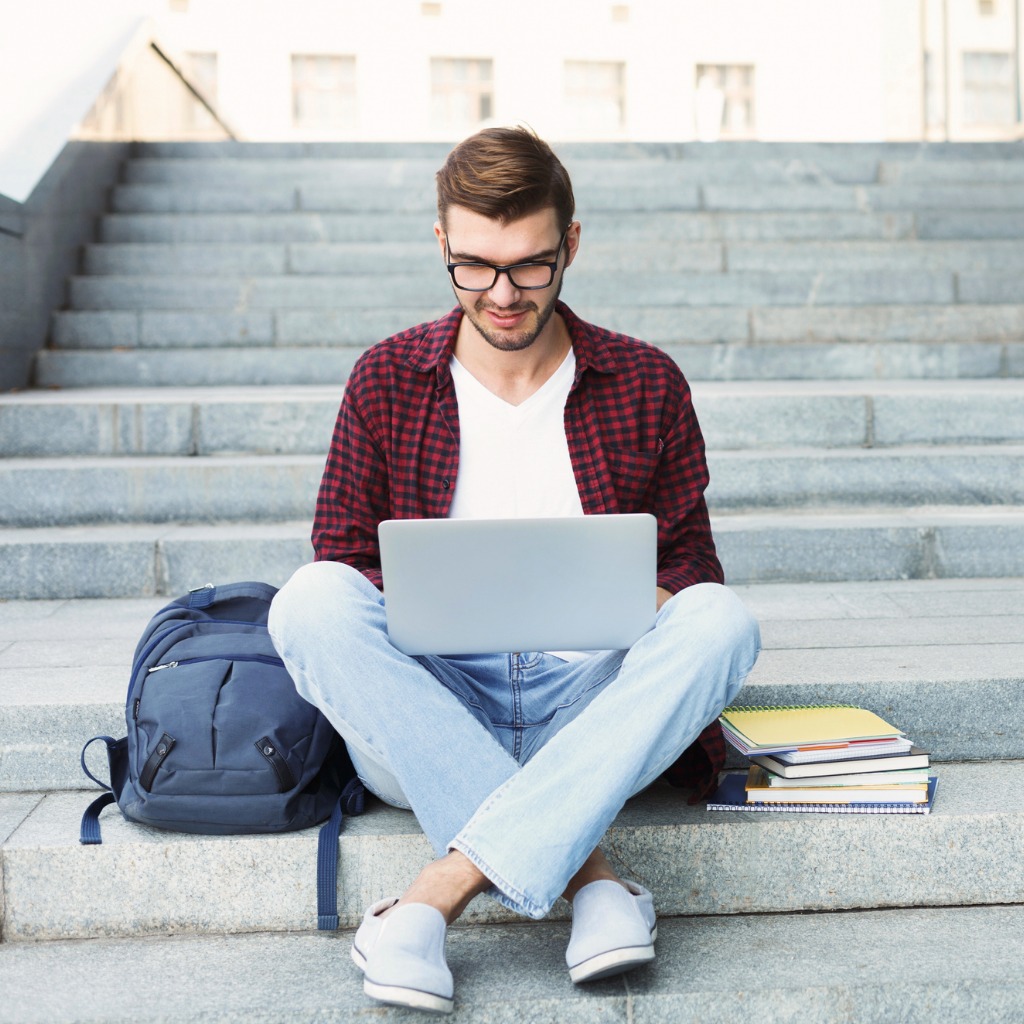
point(232, 696)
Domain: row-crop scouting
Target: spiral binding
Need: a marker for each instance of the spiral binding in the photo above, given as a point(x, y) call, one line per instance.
point(786, 707)
point(824, 808)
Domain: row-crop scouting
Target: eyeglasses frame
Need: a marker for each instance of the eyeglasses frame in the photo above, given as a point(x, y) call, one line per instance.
point(507, 270)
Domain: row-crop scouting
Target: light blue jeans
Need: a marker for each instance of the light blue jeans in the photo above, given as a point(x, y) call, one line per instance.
point(520, 761)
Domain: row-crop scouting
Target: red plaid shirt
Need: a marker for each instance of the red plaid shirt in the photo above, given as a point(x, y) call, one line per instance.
point(633, 438)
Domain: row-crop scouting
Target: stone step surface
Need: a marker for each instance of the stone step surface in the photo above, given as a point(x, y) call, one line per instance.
point(607, 259)
point(140, 559)
point(941, 658)
point(356, 172)
point(302, 364)
point(515, 973)
point(749, 415)
point(270, 488)
point(322, 195)
point(932, 326)
point(720, 152)
point(852, 166)
point(738, 288)
point(145, 881)
point(602, 226)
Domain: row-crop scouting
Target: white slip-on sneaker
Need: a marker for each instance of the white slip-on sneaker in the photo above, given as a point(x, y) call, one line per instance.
point(402, 956)
point(613, 930)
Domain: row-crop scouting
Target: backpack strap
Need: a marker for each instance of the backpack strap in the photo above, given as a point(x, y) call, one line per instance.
point(90, 831)
point(89, 834)
point(351, 800)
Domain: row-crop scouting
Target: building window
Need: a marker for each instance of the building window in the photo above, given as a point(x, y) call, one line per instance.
point(595, 95)
point(324, 93)
point(201, 71)
point(988, 89)
point(461, 93)
point(730, 88)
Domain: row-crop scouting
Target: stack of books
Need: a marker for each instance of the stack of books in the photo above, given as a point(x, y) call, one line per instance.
point(832, 758)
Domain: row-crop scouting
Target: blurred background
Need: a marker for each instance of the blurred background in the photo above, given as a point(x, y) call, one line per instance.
point(412, 70)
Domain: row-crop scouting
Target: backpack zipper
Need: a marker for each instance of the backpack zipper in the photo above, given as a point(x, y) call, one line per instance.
point(151, 646)
point(265, 659)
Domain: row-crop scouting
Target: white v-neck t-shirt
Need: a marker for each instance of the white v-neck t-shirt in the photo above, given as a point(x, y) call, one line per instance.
point(514, 459)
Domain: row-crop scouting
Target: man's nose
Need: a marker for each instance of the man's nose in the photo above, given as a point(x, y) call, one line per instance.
point(503, 292)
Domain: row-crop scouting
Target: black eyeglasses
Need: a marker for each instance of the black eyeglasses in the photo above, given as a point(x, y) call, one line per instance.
point(482, 277)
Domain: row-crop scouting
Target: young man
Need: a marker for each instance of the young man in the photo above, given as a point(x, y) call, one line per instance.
point(514, 764)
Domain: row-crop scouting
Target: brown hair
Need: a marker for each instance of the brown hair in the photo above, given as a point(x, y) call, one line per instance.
point(505, 174)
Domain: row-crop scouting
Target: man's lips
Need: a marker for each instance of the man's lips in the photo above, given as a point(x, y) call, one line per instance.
point(506, 318)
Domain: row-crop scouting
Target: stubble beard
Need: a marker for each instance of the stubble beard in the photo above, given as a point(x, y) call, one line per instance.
point(510, 341)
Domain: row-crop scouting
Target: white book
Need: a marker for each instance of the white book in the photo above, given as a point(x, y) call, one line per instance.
point(915, 758)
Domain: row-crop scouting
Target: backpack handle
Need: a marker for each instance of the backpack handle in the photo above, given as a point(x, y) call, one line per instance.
point(111, 743)
point(203, 597)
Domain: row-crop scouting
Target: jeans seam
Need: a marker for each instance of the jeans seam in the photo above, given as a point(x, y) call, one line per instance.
point(515, 685)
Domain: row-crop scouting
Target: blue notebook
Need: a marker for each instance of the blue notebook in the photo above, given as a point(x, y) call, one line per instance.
point(731, 795)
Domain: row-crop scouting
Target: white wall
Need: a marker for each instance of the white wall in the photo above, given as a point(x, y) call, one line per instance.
point(55, 58)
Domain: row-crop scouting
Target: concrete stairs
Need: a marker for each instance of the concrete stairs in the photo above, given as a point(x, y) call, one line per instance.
point(853, 329)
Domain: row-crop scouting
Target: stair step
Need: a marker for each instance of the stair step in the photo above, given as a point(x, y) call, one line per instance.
point(363, 171)
point(372, 172)
point(939, 657)
point(144, 881)
point(146, 328)
point(739, 288)
point(510, 973)
point(933, 172)
point(973, 224)
point(140, 559)
point(323, 195)
point(606, 258)
point(411, 257)
point(875, 198)
point(602, 226)
point(299, 420)
point(267, 488)
point(917, 543)
point(303, 364)
point(275, 292)
point(721, 152)
point(928, 325)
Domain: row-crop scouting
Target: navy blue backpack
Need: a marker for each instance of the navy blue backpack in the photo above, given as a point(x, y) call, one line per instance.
point(219, 741)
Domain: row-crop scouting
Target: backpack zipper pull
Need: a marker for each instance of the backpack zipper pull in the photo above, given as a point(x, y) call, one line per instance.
point(158, 668)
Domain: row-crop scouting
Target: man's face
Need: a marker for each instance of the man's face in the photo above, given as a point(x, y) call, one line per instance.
point(508, 317)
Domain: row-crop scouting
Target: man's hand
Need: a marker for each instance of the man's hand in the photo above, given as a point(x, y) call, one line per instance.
point(663, 596)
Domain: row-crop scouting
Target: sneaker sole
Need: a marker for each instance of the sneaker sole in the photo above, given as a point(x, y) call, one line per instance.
point(615, 961)
point(410, 997)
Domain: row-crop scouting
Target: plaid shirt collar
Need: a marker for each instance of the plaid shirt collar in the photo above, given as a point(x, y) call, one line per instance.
point(435, 347)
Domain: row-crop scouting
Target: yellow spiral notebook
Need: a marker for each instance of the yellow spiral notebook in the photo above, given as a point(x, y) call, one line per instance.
point(775, 728)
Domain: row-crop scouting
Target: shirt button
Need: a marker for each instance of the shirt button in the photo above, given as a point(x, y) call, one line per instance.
point(445, 483)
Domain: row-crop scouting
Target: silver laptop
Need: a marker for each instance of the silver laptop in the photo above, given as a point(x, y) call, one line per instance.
point(476, 586)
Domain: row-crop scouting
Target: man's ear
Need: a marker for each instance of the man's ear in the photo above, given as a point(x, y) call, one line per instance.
point(572, 241)
point(439, 235)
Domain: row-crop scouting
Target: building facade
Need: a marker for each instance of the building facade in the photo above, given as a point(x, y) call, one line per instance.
point(844, 70)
